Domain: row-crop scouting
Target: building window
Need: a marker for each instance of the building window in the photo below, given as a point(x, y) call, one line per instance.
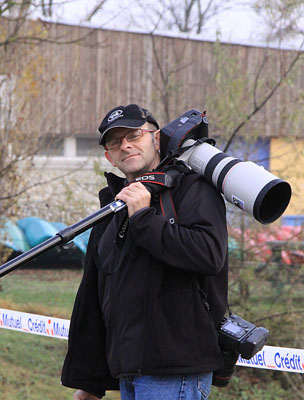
point(88, 146)
point(51, 146)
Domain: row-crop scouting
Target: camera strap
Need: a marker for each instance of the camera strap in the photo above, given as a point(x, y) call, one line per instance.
point(158, 183)
point(161, 183)
point(167, 205)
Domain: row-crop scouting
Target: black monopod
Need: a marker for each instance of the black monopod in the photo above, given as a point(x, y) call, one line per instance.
point(153, 182)
point(62, 237)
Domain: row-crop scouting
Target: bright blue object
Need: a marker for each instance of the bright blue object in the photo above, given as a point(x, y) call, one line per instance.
point(84, 236)
point(13, 237)
point(36, 230)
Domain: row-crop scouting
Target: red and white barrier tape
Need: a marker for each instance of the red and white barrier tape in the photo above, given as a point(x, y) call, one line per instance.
point(270, 357)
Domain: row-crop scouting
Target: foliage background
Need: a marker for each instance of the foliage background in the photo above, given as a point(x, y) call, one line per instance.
point(263, 289)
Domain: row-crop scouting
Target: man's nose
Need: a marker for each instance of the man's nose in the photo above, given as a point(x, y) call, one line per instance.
point(124, 143)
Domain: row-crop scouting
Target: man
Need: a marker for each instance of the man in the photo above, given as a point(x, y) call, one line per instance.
point(153, 293)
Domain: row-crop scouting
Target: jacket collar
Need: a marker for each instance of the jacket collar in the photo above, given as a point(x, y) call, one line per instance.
point(115, 182)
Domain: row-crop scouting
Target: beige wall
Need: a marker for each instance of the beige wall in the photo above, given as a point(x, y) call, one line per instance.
point(80, 82)
point(287, 161)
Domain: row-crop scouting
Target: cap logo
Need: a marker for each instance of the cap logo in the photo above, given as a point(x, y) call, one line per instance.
point(115, 114)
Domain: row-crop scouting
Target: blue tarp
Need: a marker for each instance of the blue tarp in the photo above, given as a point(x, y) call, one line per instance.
point(31, 231)
point(13, 237)
point(36, 230)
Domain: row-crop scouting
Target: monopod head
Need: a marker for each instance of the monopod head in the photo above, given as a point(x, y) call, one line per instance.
point(244, 184)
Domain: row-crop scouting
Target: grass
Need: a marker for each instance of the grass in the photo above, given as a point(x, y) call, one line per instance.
point(31, 364)
point(30, 367)
point(41, 291)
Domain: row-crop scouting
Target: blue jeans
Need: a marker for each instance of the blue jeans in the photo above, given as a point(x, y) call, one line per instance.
point(146, 387)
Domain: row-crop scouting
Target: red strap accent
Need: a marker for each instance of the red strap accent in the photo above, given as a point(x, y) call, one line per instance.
point(167, 206)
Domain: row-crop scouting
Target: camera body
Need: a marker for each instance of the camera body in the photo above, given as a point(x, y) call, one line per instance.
point(237, 336)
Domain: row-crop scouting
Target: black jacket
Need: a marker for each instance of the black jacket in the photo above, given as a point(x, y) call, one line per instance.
point(152, 292)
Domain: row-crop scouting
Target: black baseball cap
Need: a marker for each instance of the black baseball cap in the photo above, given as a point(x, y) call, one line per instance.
point(130, 116)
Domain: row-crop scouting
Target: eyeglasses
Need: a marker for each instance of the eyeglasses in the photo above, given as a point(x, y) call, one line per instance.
point(131, 136)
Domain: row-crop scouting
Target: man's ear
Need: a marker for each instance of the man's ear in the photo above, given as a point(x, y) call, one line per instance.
point(109, 158)
point(157, 140)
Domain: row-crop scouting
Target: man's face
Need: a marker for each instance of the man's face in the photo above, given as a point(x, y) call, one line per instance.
point(136, 157)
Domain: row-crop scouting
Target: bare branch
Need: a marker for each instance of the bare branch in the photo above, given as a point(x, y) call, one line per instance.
point(95, 10)
point(32, 39)
point(29, 187)
point(258, 107)
point(279, 315)
point(202, 15)
point(255, 85)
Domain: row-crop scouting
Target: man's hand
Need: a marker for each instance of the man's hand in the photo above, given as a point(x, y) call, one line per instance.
point(82, 395)
point(136, 196)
